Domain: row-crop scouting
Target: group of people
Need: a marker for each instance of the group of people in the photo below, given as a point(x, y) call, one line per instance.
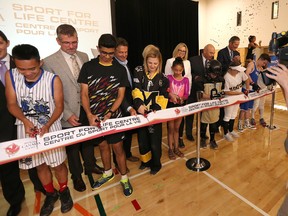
point(67, 90)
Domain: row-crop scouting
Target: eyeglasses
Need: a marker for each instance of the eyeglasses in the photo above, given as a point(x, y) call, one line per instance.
point(66, 43)
point(107, 53)
point(182, 51)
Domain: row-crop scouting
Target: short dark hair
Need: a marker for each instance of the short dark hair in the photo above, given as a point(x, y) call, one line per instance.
point(25, 52)
point(3, 36)
point(107, 40)
point(178, 61)
point(121, 42)
point(65, 29)
point(250, 38)
point(265, 56)
point(233, 39)
point(234, 63)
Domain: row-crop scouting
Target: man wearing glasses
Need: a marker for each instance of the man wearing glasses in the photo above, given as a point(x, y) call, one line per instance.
point(66, 63)
point(103, 81)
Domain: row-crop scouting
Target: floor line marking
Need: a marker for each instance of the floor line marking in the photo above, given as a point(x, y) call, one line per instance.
point(37, 203)
point(100, 205)
point(236, 194)
point(95, 192)
point(82, 210)
point(136, 205)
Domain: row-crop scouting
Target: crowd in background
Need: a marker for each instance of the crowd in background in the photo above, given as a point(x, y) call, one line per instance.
point(75, 91)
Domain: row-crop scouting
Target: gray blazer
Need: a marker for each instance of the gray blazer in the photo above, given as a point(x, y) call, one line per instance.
point(56, 63)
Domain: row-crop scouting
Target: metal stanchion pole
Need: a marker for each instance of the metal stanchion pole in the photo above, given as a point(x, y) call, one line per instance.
point(198, 163)
point(271, 126)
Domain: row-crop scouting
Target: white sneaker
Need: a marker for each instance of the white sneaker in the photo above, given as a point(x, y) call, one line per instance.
point(234, 134)
point(240, 126)
point(228, 137)
point(248, 125)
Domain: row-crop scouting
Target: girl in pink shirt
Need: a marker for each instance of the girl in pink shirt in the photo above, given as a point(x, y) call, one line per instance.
point(178, 93)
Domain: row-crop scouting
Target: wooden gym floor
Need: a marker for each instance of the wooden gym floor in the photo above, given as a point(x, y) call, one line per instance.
point(246, 177)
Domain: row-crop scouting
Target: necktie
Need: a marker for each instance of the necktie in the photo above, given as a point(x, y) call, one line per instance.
point(3, 69)
point(231, 55)
point(128, 75)
point(75, 66)
point(124, 63)
point(207, 63)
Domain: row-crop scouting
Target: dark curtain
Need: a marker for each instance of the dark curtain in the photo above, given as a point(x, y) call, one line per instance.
point(163, 23)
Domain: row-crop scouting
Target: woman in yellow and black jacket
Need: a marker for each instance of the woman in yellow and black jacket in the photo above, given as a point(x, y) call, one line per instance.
point(150, 94)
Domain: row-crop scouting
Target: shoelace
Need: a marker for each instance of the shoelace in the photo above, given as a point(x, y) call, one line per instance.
point(126, 185)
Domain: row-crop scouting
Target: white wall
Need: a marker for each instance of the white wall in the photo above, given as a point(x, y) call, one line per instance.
point(35, 22)
point(217, 21)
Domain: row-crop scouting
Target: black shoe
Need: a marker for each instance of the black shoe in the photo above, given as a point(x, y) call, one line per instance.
point(181, 143)
point(66, 200)
point(143, 166)
point(213, 145)
point(79, 184)
point(133, 159)
point(203, 143)
point(154, 171)
point(14, 210)
point(96, 169)
point(40, 190)
point(190, 137)
point(49, 202)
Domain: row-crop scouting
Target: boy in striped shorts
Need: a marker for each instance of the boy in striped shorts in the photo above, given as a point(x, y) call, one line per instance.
point(35, 98)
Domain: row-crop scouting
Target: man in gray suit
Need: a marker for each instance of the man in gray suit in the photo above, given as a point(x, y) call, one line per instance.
point(66, 63)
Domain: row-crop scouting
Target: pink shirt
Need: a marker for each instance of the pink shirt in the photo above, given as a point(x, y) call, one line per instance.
point(179, 87)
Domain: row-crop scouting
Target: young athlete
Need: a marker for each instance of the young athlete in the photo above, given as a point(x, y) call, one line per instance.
point(253, 71)
point(35, 98)
point(233, 86)
point(103, 84)
point(211, 84)
point(263, 61)
point(178, 94)
point(150, 94)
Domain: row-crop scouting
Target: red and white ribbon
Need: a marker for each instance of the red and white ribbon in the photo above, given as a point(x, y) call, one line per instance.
point(21, 148)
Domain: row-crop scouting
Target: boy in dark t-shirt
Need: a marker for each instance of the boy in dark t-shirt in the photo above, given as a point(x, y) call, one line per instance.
point(102, 91)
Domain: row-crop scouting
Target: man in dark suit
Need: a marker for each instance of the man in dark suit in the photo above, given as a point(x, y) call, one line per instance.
point(121, 54)
point(12, 186)
point(225, 57)
point(229, 54)
point(198, 67)
point(66, 63)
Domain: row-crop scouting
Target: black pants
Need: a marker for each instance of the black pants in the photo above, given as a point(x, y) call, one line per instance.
point(150, 140)
point(85, 148)
point(189, 119)
point(74, 161)
point(212, 129)
point(33, 175)
point(221, 116)
point(12, 186)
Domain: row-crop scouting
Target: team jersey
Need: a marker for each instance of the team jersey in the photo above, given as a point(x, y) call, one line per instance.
point(255, 73)
point(150, 92)
point(209, 86)
point(234, 83)
point(36, 99)
point(103, 84)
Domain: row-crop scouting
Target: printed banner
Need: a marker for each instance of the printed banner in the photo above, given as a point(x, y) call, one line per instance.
point(21, 148)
